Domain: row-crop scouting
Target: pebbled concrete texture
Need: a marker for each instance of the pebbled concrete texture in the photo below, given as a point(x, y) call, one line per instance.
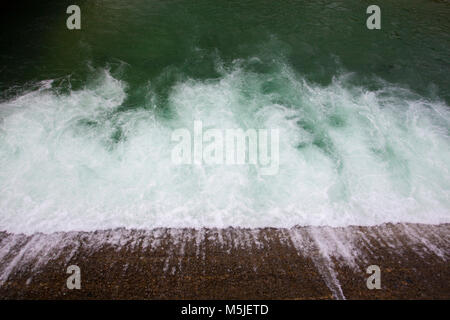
point(231, 263)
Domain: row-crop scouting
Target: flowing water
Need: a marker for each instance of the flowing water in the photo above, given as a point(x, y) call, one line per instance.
point(86, 116)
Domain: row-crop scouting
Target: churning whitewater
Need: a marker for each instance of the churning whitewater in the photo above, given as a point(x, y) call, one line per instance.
point(348, 155)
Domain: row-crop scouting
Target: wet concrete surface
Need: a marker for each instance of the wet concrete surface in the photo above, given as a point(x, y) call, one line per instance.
point(232, 263)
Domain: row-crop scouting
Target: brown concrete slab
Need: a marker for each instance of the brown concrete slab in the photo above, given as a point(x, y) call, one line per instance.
point(232, 263)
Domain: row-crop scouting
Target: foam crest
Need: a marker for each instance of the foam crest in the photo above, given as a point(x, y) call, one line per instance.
point(348, 156)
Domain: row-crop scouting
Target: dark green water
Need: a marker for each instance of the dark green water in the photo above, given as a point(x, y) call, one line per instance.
point(165, 40)
point(86, 116)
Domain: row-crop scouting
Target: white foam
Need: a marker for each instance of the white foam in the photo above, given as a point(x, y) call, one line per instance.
point(348, 156)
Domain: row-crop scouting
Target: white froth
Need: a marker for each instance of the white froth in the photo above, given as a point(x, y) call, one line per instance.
point(348, 156)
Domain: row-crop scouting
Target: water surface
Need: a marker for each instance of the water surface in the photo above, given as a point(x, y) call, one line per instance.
point(86, 116)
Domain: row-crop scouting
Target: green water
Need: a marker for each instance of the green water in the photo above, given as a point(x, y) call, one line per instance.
point(86, 115)
point(161, 41)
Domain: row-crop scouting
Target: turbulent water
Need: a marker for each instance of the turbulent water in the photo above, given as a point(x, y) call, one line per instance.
point(87, 116)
